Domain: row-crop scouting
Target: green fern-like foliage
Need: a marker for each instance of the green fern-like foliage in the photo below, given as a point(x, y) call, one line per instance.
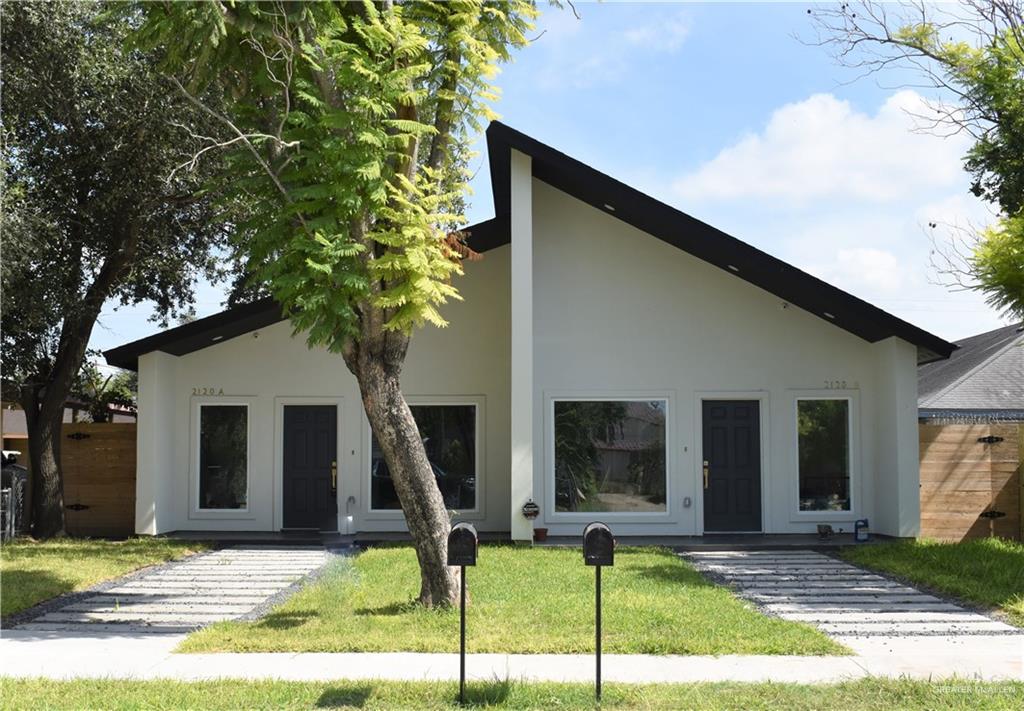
point(348, 132)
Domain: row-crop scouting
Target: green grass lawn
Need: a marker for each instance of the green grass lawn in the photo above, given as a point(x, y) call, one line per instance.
point(865, 695)
point(33, 571)
point(525, 600)
point(987, 572)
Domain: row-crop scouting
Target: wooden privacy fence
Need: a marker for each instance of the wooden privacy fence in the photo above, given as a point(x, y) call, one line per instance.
point(971, 473)
point(99, 478)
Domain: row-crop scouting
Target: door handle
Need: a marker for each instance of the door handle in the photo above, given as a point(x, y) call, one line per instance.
point(706, 474)
point(334, 478)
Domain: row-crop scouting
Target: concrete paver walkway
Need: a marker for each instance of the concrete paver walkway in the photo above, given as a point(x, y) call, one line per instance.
point(186, 595)
point(840, 599)
point(74, 649)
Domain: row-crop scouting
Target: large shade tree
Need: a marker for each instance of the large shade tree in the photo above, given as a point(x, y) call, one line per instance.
point(348, 125)
point(972, 53)
point(94, 211)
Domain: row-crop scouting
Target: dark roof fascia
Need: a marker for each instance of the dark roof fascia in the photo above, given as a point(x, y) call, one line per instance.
point(699, 239)
point(199, 334)
point(239, 320)
point(632, 207)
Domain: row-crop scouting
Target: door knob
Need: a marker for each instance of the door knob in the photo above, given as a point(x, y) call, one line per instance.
point(706, 473)
point(334, 478)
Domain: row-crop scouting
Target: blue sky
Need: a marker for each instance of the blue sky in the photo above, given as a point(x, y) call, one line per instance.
point(721, 111)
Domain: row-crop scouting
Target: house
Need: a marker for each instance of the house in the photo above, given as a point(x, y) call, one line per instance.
point(614, 359)
point(983, 380)
point(971, 414)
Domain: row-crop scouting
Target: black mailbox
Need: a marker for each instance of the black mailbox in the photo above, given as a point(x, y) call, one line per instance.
point(462, 544)
point(598, 545)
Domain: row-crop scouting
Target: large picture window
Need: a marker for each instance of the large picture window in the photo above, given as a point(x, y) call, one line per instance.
point(223, 456)
point(823, 434)
point(610, 456)
point(449, 436)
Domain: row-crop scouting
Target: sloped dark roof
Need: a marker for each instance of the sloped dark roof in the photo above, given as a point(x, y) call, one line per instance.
point(693, 236)
point(198, 334)
point(623, 202)
point(986, 372)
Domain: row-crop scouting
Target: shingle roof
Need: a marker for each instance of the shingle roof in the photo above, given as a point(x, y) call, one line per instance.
point(986, 372)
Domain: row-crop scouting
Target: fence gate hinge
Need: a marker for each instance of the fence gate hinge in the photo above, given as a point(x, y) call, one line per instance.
point(992, 514)
point(991, 439)
point(79, 435)
point(76, 507)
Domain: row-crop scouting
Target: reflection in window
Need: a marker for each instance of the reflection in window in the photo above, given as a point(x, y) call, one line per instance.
point(610, 455)
point(449, 436)
point(823, 427)
point(223, 456)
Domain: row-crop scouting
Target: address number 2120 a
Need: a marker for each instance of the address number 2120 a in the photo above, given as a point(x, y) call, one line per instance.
point(207, 391)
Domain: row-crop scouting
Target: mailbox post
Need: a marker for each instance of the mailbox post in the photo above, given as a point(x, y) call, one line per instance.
point(598, 551)
point(462, 548)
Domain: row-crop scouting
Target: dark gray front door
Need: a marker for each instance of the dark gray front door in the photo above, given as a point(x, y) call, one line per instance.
point(310, 455)
point(732, 459)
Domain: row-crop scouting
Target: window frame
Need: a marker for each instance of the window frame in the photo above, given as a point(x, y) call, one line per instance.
point(478, 403)
point(853, 458)
point(552, 515)
point(197, 510)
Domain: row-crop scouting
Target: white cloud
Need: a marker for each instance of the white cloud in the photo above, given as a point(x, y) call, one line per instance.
point(666, 36)
point(822, 147)
point(864, 269)
point(849, 197)
point(593, 50)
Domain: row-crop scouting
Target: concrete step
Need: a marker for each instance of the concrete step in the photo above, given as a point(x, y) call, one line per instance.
point(863, 617)
point(831, 590)
point(214, 585)
point(98, 627)
point(139, 608)
point(809, 578)
point(845, 599)
point(784, 609)
point(162, 599)
point(899, 628)
point(217, 579)
point(126, 616)
point(177, 590)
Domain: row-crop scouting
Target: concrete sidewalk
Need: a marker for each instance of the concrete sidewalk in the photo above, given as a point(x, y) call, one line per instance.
point(147, 656)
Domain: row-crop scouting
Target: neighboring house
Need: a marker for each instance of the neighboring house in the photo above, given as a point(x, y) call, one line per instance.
point(683, 381)
point(15, 429)
point(982, 381)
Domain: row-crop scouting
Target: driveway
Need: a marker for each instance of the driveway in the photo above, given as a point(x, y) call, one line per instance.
point(841, 599)
point(183, 596)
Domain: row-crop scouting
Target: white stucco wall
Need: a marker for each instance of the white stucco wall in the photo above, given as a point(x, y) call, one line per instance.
point(468, 361)
point(601, 310)
point(620, 313)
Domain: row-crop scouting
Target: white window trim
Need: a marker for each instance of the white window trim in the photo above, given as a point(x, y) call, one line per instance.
point(474, 514)
point(195, 511)
point(763, 398)
point(553, 516)
point(853, 433)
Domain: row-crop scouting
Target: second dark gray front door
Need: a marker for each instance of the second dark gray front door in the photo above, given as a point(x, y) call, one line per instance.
point(310, 465)
point(732, 458)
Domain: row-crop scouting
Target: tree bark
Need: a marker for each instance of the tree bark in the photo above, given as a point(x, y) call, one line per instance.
point(43, 400)
point(376, 363)
point(43, 423)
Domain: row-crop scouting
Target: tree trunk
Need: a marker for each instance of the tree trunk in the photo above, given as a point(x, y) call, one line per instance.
point(43, 423)
point(399, 439)
point(43, 400)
